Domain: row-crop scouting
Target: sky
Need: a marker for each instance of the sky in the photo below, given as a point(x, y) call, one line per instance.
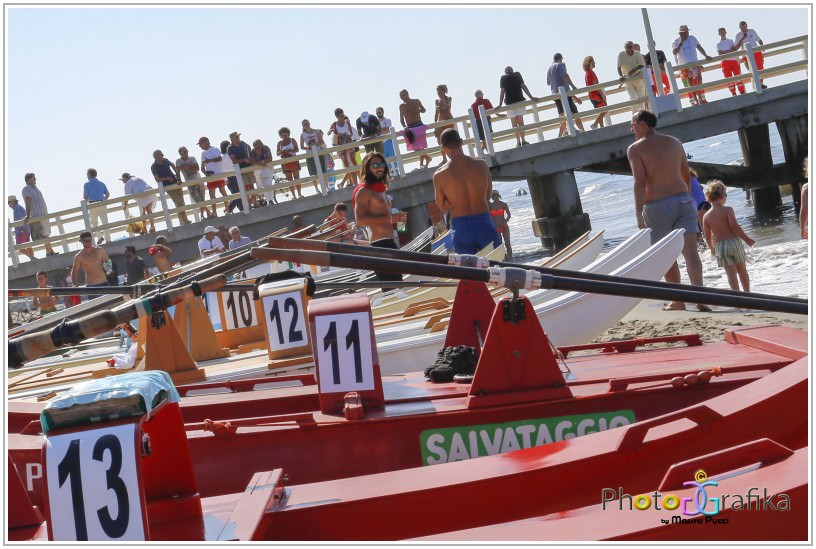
point(102, 87)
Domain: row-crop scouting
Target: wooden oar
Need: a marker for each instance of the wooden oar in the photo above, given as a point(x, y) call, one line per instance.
point(71, 332)
point(518, 278)
point(475, 261)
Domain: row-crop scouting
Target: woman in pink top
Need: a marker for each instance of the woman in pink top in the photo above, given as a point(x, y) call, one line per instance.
point(597, 97)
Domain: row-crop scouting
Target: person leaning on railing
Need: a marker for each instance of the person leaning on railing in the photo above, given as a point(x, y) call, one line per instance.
point(135, 185)
point(35, 207)
point(166, 174)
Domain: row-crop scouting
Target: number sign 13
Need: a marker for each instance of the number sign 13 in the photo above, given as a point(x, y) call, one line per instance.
point(342, 345)
point(93, 487)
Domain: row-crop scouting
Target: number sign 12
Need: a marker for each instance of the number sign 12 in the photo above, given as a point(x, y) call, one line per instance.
point(285, 320)
point(93, 487)
point(342, 346)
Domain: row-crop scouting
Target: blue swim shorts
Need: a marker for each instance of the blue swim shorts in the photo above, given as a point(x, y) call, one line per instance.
point(471, 233)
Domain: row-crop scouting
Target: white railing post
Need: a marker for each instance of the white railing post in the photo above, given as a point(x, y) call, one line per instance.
point(61, 230)
point(477, 139)
point(163, 199)
point(466, 133)
point(241, 190)
point(567, 112)
point(537, 118)
point(324, 188)
point(749, 51)
point(647, 88)
point(397, 154)
point(86, 215)
point(805, 48)
point(12, 242)
point(673, 83)
point(487, 131)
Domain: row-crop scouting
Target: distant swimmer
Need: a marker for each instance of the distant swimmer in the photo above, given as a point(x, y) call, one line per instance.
point(500, 212)
point(662, 199)
point(463, 187)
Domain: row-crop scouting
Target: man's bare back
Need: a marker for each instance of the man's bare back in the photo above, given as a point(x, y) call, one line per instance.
point(463, 186)
point(90, 261)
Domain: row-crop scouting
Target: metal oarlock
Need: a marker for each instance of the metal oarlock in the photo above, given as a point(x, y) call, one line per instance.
point(514, 278)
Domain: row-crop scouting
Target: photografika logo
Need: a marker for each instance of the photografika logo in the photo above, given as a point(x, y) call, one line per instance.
point(704, 504)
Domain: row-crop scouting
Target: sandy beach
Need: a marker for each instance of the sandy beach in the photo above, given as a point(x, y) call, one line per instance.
point(647, 319)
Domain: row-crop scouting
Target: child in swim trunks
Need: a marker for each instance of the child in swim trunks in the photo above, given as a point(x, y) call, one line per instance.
point(723, 234)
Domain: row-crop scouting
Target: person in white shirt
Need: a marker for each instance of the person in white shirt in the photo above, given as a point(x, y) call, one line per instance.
point(210, 243)
point(211, 164)
point(237, 240)
point(749, 37)
point(388, 146)
point(730, 67)
point(685, 49)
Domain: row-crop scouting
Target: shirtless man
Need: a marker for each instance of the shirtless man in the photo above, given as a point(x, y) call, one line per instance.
point(410, 110)
point(93, 261)
point(161, 254)
point(662, 199)
point(463, 186)
point(372, 208)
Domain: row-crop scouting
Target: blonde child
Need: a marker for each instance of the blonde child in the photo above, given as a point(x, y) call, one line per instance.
point(723, 234)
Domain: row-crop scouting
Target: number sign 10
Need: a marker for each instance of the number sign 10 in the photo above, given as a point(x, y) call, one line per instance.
point(239, 310)
point(93, 487)
point(285, 320)
point(342, 345)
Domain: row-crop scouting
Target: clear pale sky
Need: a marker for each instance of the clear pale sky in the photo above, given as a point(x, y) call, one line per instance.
point(103, 87)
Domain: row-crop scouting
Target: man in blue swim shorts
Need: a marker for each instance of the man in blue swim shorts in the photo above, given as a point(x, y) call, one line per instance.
point(662, 200)
point(463, 186)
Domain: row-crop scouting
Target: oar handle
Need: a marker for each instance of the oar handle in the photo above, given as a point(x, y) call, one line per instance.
point(72, 332)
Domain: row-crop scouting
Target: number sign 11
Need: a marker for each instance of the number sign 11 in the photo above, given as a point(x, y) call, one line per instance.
point(93, 486)
point(343, 352)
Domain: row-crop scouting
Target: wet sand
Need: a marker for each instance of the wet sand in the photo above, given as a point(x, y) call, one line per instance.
point(647, 319)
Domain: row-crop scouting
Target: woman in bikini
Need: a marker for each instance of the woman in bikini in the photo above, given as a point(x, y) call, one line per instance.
point(288, 147)
point(341, 129)
point(443, 112)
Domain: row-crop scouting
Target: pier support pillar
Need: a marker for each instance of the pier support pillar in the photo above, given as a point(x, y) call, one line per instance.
point(794, 135)
point(416, 219)
point(557, 205)
point(755, 142)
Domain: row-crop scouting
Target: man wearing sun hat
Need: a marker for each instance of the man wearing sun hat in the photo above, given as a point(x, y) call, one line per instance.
point(210, 243)
point(685, 49)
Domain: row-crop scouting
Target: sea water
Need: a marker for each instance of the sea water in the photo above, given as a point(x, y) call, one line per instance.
point(778, 263)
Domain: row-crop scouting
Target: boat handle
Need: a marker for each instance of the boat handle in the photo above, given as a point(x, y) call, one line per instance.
point(634, 435)
point(763, 450)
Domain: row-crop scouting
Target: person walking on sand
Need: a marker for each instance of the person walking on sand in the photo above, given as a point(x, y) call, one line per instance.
point(500, 212)
point(723, 234)
point(662, 200)
point(463, 186)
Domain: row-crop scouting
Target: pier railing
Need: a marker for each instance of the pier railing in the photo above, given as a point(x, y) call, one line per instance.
point(782, 58)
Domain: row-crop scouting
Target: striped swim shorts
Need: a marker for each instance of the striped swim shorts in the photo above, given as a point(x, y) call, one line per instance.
point(676, 211)
point(729, 252)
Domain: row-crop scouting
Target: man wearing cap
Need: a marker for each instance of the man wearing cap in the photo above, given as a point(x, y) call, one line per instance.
point(136, 185)
point(500, 212)
point(512, 91)
point(749, 37)
point(166, 174)
point(95, 192)
point(238, 152)
point(630, 63)
point(210, 244)
point(369, 126)
point(22, 233)
point(557, 77)
point(685, 49)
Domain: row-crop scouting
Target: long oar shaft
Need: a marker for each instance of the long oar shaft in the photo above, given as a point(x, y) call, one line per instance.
point(515, 277)
point(369, 251)
point(71, 332)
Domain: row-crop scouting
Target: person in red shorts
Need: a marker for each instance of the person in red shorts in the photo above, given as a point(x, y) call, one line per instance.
point(211, 164)
point(749, 37)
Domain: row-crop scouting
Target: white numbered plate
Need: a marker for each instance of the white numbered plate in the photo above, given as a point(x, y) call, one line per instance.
point(285, 321)
point(239, 310)
point(93, 489)
point(343, 352)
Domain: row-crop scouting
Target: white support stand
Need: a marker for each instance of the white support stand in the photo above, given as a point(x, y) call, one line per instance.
point(397, 154)
point(12, 251)
point(749, 53)
point(324, 189)
point(476, 138)
point(678, 105)
point(241, 190)
point(487, 131)
point(163, 199)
